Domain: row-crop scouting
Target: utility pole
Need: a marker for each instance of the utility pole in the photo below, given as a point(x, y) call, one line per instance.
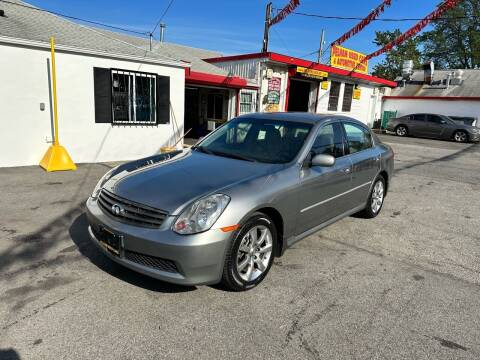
point(151, 36)
point(320, 50)
point(268, 13)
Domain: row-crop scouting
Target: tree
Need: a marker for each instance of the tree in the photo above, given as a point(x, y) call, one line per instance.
point(454, 41)
point(391, 66)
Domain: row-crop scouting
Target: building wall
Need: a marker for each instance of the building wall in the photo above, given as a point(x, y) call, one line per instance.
point(449, 108)
point(26, 130)
point(367, 109)
point(362, 109)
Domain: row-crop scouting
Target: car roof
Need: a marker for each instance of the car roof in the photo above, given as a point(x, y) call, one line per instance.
point(303, 117)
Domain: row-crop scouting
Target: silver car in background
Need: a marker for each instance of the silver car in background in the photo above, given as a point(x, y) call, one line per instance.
point(433, 126)
point(222, 210)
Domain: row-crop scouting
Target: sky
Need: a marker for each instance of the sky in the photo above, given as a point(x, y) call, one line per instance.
point(236, 26)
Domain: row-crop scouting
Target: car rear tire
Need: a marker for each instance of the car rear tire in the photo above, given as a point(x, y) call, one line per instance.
point(401, 130)
point(460, 136)
point(251, 254)
point(375, 199)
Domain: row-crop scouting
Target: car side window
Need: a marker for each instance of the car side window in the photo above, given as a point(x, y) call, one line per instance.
point(435, 119)
point(358, 138)
point(418, 117)
point(329, 141)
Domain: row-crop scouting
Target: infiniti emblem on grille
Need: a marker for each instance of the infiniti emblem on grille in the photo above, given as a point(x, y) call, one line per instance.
point(117, 210)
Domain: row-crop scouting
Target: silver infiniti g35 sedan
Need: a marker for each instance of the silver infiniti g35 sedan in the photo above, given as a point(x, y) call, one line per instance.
point(223, 209)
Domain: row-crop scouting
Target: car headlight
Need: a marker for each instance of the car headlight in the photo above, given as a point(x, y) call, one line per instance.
point(201, 215)
point(101, 182)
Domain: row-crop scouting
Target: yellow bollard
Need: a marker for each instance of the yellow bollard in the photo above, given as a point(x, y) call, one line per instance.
point(56, 158)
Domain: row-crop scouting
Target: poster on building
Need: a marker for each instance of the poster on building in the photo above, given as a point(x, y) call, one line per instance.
point(272, 108)
point(347, 59)
point(357, 93)
point(273, 95)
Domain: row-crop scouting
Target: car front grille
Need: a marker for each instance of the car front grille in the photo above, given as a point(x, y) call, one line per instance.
point(129, 211)
point(151, 261)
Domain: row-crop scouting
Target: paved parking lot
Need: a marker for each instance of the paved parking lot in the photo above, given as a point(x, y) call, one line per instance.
point(405, 285)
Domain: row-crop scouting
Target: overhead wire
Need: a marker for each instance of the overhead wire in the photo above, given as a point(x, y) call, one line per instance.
point(161, 17)
point(93, 22)
point(334, 17)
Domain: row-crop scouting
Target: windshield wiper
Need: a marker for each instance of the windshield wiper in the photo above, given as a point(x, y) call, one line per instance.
point(233, 156)
point(202, 149)
point(221, 153)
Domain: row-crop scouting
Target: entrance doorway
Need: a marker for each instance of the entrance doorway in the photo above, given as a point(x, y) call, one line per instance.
point(298, 96)
point(205, 109)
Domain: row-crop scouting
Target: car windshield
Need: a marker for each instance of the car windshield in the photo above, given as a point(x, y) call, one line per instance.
point(262, 140)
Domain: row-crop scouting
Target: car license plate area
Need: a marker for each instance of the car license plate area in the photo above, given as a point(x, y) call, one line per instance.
point(110, 241)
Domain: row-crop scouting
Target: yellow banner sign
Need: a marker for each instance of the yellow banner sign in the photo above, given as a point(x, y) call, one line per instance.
point(311, 73)
point(357, 93)
point(347, 59)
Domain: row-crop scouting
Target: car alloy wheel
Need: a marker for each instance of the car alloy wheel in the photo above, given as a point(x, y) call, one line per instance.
point(250, 255)
point(254, 252)
point(460, 136)
point(401, 131)
point(377, 197)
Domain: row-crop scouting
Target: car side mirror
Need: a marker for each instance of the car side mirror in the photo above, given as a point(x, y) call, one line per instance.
point(323, 160)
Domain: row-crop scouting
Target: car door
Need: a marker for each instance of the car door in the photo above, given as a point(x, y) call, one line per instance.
point(418, 126)
point(436, 125)
point(365, 159)
point(321, 187)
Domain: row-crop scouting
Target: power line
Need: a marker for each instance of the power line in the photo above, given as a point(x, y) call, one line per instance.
point(161, 17)
point(76, 18)
point(333, 17)
point(284, 45)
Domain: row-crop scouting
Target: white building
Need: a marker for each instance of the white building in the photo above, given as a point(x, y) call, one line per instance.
point(455, 93)
point(291, 84)
point(116, 101)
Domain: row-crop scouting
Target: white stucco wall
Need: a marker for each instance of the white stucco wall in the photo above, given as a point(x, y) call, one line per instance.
point(449, 108)
point(362, 109)
point(26, 130)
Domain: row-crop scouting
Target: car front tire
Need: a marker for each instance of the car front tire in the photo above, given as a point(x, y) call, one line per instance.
point(401, 130)
point(375, 199)
point(251, 254)
point(460, 136)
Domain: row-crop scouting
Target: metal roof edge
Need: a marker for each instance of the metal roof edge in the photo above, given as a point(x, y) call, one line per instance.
point(83, 51)
point(444, 98)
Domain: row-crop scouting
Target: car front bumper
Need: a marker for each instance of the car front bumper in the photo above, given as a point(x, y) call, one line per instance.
point(474, 137)
point(197, 259)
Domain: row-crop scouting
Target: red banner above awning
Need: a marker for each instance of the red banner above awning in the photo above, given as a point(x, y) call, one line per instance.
point(442, 8)
point(359, 27)
point(292, 5)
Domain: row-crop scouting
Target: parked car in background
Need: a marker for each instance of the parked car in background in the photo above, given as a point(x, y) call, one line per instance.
point(222, 210)
point(433, 126)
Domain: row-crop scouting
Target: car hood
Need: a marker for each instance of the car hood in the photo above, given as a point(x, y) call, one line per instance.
point(190, 175)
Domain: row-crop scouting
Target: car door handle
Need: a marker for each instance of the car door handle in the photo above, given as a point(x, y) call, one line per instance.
point(377, 158)
point(346, 170)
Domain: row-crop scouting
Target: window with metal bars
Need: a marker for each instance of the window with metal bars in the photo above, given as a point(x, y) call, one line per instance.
point(334, 95)
point(133, 97)
point(246, 102)
point(347, 98)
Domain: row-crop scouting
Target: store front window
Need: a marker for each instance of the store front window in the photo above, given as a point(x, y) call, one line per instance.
point(334, 96)
point(347, 98)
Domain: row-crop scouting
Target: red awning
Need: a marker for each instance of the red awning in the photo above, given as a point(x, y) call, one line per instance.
point(200, 78)
point(305, 63)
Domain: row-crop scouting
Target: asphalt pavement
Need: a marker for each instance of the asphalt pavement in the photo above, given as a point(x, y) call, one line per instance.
point(405, 285)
